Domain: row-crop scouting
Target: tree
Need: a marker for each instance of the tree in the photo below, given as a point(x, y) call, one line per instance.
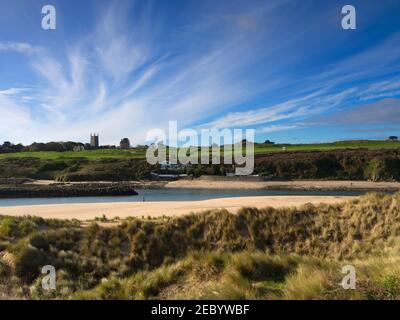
point(269, 142)
point(393, 138)
point(9, 147)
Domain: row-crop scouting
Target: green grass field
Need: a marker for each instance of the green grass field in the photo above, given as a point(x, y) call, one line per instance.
point(89, 154)
point(357, 144)
point(259, 150)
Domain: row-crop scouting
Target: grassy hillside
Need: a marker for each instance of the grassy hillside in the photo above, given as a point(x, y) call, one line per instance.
point(356, 144)
point(86, 154)
point(257, 253)
point(259, 150)
point(337, 164)
point(348, 160)
point(75, 169)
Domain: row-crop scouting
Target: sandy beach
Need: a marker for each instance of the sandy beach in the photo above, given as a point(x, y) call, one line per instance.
point(215, 183)
point(171, 208)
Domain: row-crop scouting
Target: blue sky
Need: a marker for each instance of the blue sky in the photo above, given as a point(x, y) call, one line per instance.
point(284, 68)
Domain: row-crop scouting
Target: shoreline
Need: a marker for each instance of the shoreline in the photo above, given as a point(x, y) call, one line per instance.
point(328, 185)
point(216, 182)
point(90, 211)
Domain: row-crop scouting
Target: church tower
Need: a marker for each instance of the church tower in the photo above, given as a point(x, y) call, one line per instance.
point(94, 140)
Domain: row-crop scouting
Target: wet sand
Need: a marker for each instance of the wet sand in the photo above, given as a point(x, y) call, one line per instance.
point(89, 211)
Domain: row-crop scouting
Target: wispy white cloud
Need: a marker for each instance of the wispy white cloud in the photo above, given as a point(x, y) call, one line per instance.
point(294, 109)
point(382, 89)
point(117, 80)
point(20, 47)
point(274, 128)
point(14, 117)
point(378, 60)
point(385, 112)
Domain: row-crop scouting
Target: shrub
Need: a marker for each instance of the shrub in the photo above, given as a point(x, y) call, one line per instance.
point(28, 263)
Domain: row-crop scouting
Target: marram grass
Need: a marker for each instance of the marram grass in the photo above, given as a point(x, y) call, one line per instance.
point(289, 253)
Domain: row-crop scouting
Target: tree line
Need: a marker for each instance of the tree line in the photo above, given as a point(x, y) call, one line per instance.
point(8, 147)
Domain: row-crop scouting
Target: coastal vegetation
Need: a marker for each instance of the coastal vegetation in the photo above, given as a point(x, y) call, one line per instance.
point(375, 165)
point(360, 164)
point(288, 253)
point(75, 169)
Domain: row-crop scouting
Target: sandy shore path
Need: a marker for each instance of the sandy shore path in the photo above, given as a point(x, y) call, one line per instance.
point(169, 208)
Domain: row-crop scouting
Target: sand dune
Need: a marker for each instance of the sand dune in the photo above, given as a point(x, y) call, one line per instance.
point(171, 208)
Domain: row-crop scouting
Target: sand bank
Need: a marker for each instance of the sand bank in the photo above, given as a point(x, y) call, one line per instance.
point(217, 182)
point(170, 208)
point(295, 184)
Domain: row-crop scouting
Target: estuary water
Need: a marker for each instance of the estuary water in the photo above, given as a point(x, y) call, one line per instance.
point(179, 195)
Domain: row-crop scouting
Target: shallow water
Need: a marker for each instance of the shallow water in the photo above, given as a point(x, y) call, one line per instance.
point(178, 195)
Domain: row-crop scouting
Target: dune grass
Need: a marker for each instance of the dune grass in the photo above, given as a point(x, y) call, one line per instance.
point(254, 276)
point(289, 253)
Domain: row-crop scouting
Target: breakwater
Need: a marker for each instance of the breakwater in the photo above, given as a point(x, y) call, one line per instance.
point(60, 190)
